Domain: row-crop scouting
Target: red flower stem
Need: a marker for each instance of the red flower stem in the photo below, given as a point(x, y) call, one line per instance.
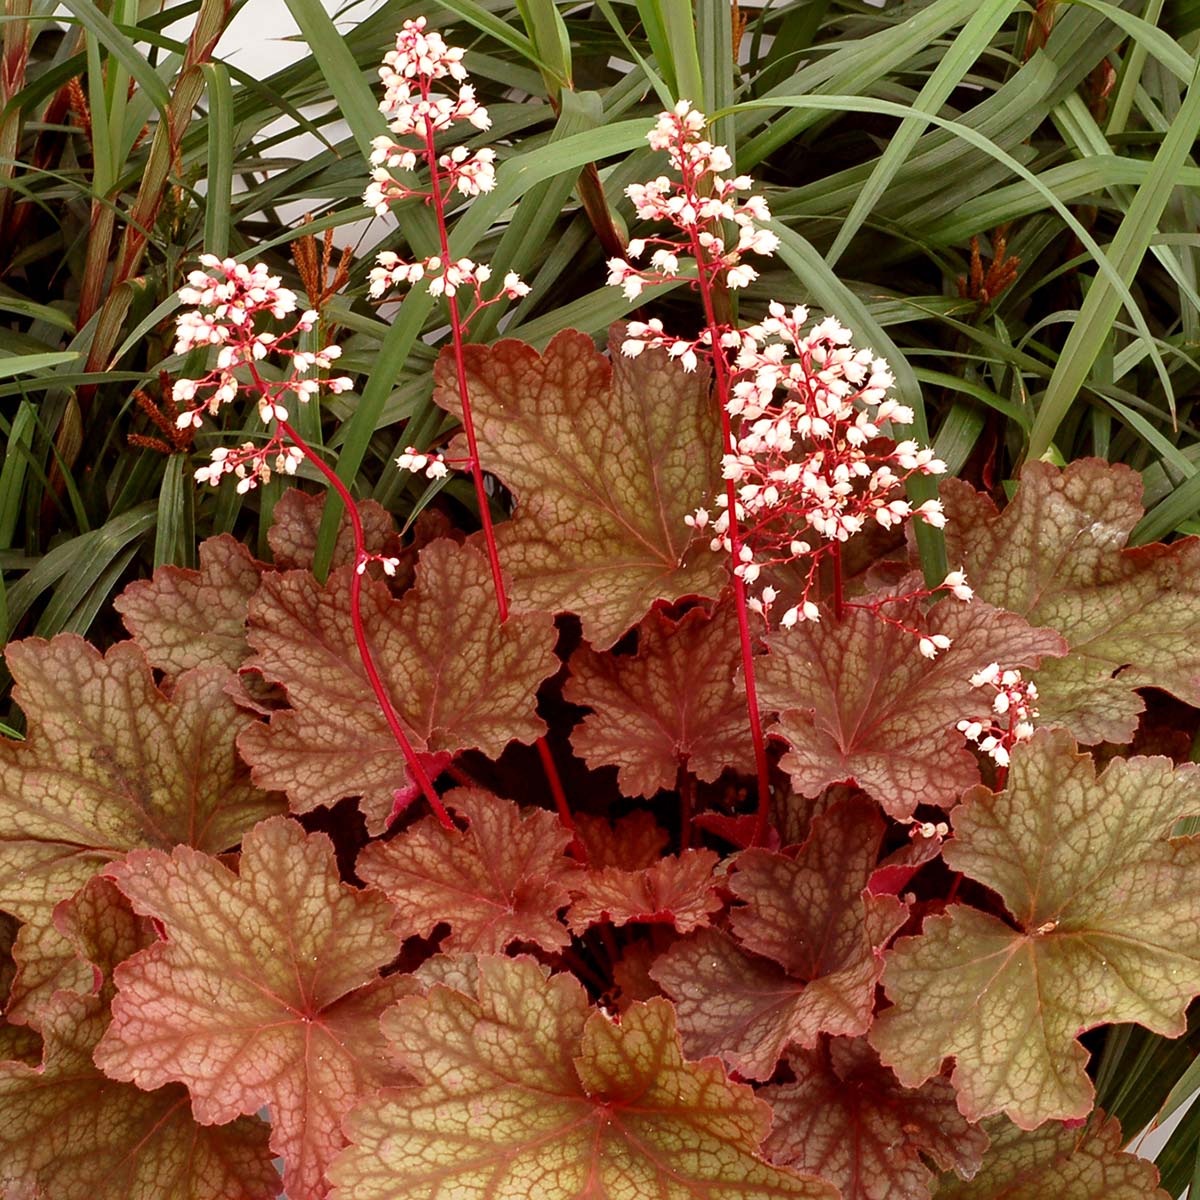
point(415, 769)
point(577, 849)
point(460, 368)
point(722, 383)
point(484, 500)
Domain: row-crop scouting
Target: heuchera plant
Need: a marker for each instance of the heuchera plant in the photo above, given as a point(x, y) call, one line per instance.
point(668, 839)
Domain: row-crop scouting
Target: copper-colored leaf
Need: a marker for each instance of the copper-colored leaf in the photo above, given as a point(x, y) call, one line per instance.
point(1055, 555)
point(633, 841)
point(184, 619)
point(75, 951)
point(679, 891)
point(502, 880)
point(846, 1119)
point(606, 459)
point(266, 991)
point(1106, 928)
point(1057, 1162)
point(457, 679)
point(525, 1092)
point(296, 521)
point(678, 703)
point(111, 764)
point(810, 960)
point(858, 700)
point(71, 1133)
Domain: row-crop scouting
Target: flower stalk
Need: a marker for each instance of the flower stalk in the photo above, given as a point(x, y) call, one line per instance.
point(227, 304)
point(806, 460)
point(416, 109)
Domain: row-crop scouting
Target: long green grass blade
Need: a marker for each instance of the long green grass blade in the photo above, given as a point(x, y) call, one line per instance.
point(975, 36)
point(22, 364)
point(1103, 300)
point(219, 194)
point(97, 23)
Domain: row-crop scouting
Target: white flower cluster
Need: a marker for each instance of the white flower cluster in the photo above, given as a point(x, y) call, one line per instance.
point(227, 301)
point(391, 271)
point(1011, 719)
point(811, 461)
point(433, 465)
point(697, 204)
point(415, 109)
point(249, 464)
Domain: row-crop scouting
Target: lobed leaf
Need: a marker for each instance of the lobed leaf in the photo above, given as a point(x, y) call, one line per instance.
point(632, 841)
point(1107, 929)
point(1081, 1163)
point(808, 958)
point(524, 1091)
point(859, 702)
point(846, 1119)
point(677, 705)
point(112, 764)
point(680, 890)
point(502, 880)
point(76, 951)
point(266, 990)
point(605, 459)
point(457, 679)
point(184, 619)
point(1057, 555)
point(70, 1132)
point(296, 522)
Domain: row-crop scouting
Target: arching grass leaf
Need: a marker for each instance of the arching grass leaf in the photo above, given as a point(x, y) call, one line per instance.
point(1057, 556)
point(525, 1091)
point(605, 459)
point(458, 679)
point(266, 992)
point(858, 700)
point(1082, 1163)
point(111, 764)
point(846, 1119)
point(502, 880)
point(1106, 928)
point(678, 703)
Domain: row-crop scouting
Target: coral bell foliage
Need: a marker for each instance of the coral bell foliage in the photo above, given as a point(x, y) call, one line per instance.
point(670, 840)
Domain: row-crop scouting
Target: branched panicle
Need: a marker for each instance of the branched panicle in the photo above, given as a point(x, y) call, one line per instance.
point(418, 110)
point(227, 306)
point(1013, 712)
point(808, 462)
point(231, 307)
